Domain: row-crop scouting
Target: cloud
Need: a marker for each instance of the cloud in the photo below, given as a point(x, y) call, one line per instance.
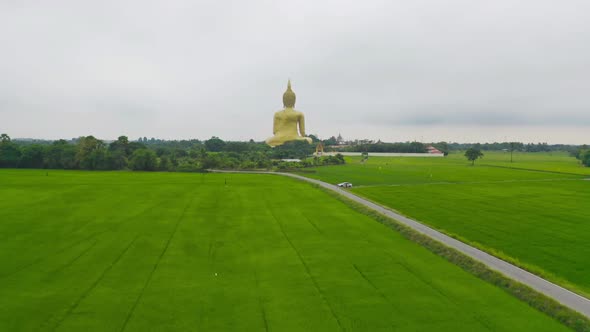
point(180, 69)
point(480, 116)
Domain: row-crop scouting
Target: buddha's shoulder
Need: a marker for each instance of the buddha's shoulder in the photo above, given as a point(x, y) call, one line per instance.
point(287, 113)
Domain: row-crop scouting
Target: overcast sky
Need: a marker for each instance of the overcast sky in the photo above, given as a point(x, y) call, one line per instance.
point(427, 70)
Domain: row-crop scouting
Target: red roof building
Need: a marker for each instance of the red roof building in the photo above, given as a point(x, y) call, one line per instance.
point(431, 149)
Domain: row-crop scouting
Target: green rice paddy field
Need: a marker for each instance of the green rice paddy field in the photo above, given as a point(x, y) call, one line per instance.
point(125, 251)
point(533, 211)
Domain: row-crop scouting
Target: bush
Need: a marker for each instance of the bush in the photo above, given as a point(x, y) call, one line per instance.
point(338, 159)
point(248, 165)
point(188, 165)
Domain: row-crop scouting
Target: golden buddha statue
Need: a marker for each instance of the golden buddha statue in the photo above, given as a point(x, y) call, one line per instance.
point(286, 121)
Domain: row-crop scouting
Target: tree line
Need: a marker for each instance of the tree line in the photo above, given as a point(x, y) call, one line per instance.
point(90, 153)
point(583, 155)
point(445, 147)
point(406, 147)
point(504, 146)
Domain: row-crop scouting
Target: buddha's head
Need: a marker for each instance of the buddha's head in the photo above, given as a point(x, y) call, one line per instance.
point(289, 97)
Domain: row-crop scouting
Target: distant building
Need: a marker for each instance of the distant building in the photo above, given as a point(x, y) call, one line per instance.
point(432, 150)
point(319, 149)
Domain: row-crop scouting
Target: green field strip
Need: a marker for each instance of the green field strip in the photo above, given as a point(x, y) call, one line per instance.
point(544, 226)
point(186, 252)
point(162, 253)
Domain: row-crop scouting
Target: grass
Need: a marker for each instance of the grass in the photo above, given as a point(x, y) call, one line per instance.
point(570, 318)
point(114, 251)
point(533, 214)
point(382, 171)
point(559, 162)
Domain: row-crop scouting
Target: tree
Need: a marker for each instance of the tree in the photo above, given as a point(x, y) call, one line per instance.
point(119, 151)
point(60, 154)
point(32, 156)
point(236, 146)
point(214, 144)
point(91, 153)
point(179, 153)
point(330, 141)
point(514, 146)
point(472, 154)
point(407, 147)
point(586, 158)
point(117, 159)
point(314, 138)
point(164, 164)
point(143, 160)
point(9, 152)
point(364, 156)
point(122, 143)
point(293, 149)
point(134, 146)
